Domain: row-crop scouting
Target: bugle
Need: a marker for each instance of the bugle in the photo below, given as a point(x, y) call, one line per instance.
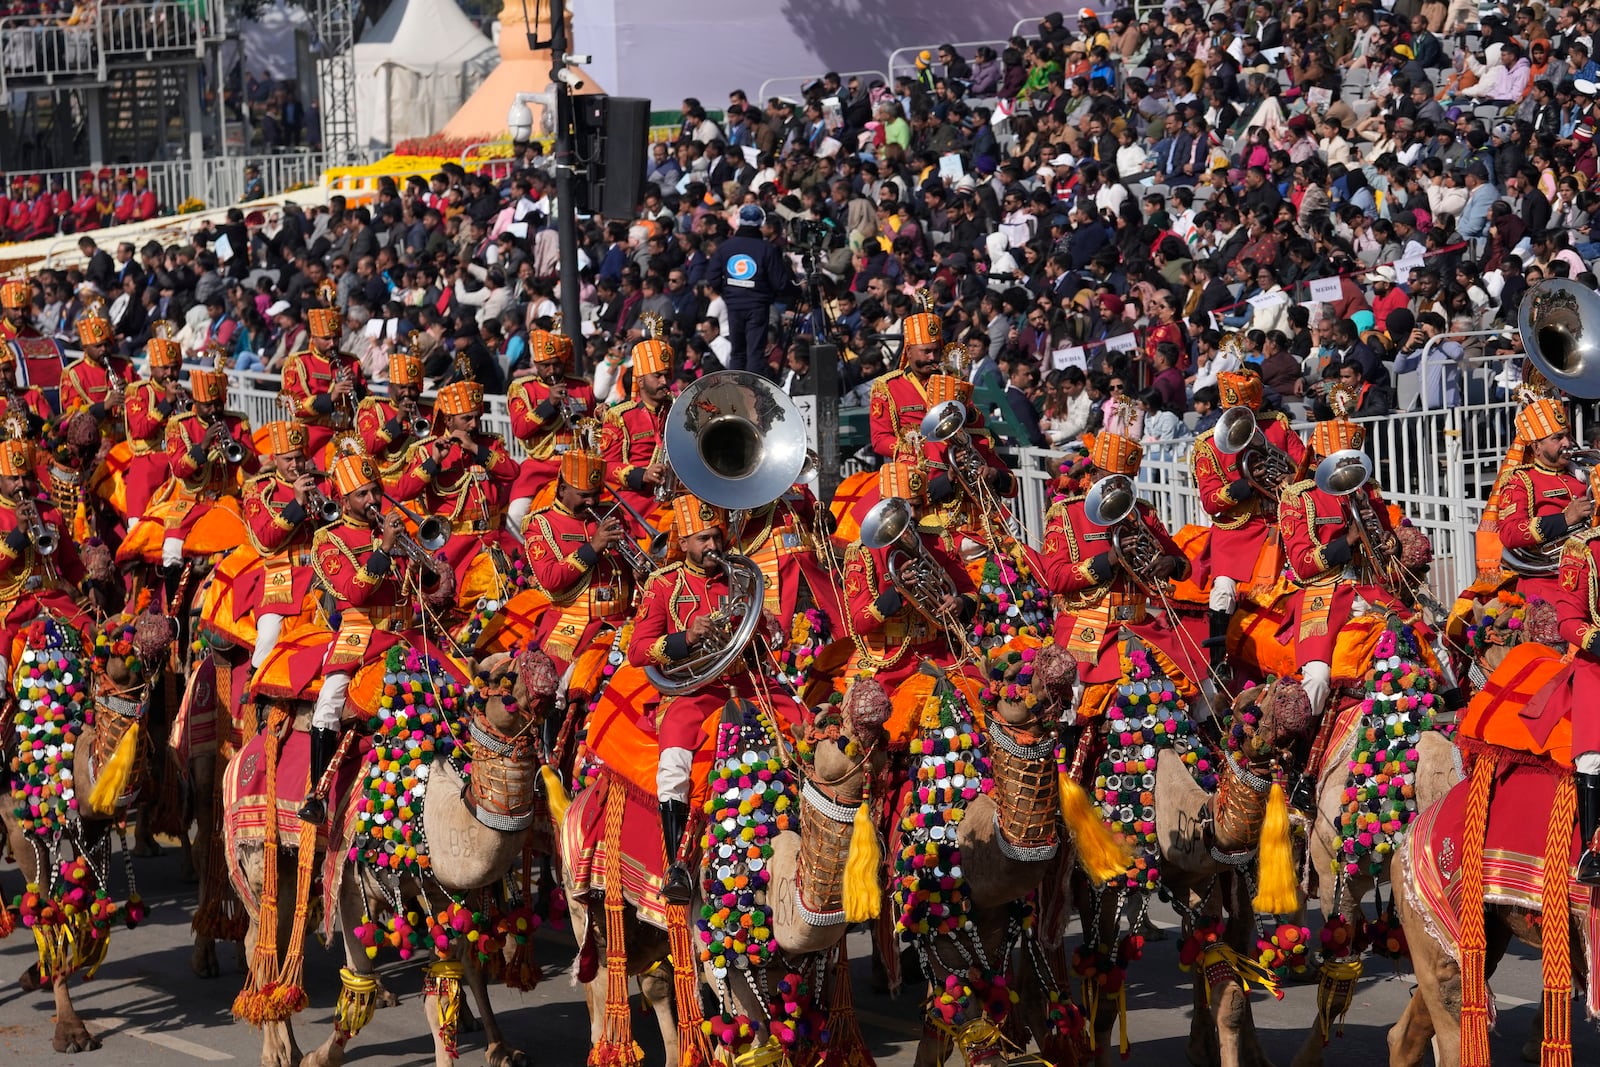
point(232, 451)
point(43, 536)
point(431, 531)
point(322, 507)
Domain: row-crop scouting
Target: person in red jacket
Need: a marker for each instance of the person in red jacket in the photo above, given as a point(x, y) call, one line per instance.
point(144, 201)
point(96, 382)
point(545, 411)
point(325, 385)
point(1245, 548)
point(630, 435)
point(29, 402)
point(677, 615)
point(1541, 503)
point(280, 515)
point(41, 211)
point(150, 403)
point(123, 203)
point(1578, 692)
point(464, 476)
point(85, 210)
point(16, 221)
point(1335, 577)
point(385, 422)
point(1100, 599)
point(31, 582)
point(60, 199)
point(574, 560)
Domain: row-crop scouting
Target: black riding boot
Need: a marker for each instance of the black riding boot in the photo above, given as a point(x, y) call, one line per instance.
point(1217, 645)
point(323, 745)
point(1588, 825)
point(171, 575)
point(678, 888)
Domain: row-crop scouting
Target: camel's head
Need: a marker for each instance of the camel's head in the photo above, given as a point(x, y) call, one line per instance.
point(1055, 674)
point(99, 563)
point(1272, 718)
point(845, 735)
point(129, 651)
point(516, 688)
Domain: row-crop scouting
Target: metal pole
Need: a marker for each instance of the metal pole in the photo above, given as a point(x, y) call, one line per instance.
point(566, 217)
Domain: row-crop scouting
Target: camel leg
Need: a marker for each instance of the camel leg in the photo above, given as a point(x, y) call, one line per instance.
point(1434, 1014)
point(656, 986)
point(71, 1035)
point(1202, 1048)
point(331, 1052)
point(498, 1053)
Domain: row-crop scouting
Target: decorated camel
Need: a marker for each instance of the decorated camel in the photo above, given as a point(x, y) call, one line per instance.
point(415, 857)
point(81, 762)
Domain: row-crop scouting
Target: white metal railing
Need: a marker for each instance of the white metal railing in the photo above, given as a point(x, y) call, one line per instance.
point(34, 48)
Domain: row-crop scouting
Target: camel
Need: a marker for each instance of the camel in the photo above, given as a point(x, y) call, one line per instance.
point(119, 694)
point(472, 857)
point(809, 859)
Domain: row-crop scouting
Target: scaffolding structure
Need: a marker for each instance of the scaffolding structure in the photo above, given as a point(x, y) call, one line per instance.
point(336, 78)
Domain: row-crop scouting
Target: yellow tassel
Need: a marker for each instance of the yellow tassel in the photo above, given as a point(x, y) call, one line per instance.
point(1102, 853)
point(1277, 892)
point(863, 897)
point(556, 795)
point(112, 780)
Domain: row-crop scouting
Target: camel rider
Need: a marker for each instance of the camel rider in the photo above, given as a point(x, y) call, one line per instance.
point(30, 401)
point(630, 435)
point(1245, 547)
point(280, 515)
point(464, 476)
point(16, 310)
point(323, 384)
point(95, 383)
point(385, 423)
point(150, 403)
point(1328, 560)
point(1578, 617)
point(1541, 503)
point(576, 562)
point(893, 635)
point(1101, 598)
point(545, 410)
point(902, 397)
point(370, 584)
point(678, 613)
point(31, 581)
point(201, 445)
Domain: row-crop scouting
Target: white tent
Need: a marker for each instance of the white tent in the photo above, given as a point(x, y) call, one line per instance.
point(414, 68)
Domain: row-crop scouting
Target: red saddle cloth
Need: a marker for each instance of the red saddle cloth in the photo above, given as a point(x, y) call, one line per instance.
point(1523, 795)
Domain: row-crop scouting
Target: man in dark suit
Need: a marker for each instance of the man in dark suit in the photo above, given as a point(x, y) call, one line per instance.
point(1214, 292)
point(1024, 376)
point(100, 269)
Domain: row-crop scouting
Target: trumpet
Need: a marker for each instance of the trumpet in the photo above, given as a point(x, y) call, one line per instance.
point(416, 422)
point(642, 563)
point(232, 451)
point(323, 508)
point(417, 551)
point(43, 536)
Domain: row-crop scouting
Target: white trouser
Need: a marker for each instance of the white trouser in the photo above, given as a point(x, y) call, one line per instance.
point(268, 627)
point(171, 551)
point(516, 512)
point(1587, 763)
point(133, 520)
point(674, 774)
point(1316, 678)
point(330, 702)
point(1224, 593)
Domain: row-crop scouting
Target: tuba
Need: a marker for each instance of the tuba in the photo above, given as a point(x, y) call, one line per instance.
point(1110, 503)
point(1345, 474)
point(889, 524)
point(1266, 467)
point(735, 441)
point(1559, 321)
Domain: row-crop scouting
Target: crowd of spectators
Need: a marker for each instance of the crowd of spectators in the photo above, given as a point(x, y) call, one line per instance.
point(1107, 215)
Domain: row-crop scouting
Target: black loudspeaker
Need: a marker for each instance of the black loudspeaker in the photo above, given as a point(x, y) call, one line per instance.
point(610, 133)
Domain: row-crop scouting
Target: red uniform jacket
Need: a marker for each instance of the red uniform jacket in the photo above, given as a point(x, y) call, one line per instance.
point(629, 439)
point(469, 491)
point(899, 402)
point(897, 638)
point(1099, 599)
point(84, 384)
point(586, 589)
point(41, 217)
point(777, 538)
point(1313, 524)
point(17, 220)
point(146, 411)
point(144, 206)
point(203, 477)
point(1575, 691)
point(1241, 518)
point(673, 598)
point(544, 427)
point(31, 583)
point(307, 377)
point(122, 207)
point(1531, 524)
point(370, 592)
point(386, 435)
point(281, 532)
point(86, 213)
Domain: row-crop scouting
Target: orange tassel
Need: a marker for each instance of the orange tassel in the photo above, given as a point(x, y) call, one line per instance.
point(1555, 1048)
point(1473, 937)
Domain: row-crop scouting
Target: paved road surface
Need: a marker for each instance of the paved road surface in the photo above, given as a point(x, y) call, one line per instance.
point(152, 1011)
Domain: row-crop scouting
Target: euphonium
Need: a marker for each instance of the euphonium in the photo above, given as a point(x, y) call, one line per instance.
point(1111, 503)
point(733, 627)
point(891, 526)
point(1266, 467)
point(1345, 474)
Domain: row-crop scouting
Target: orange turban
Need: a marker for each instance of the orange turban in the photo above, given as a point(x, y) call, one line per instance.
point(907, 481)
point(325, 322)
point(691, 515)
point(459, 398)
point(16, 457)
point(208, 386)
point(651, 356)
point(1237, 389)
point(285, 437)
point(923, 328)
point(1116, 454)
point(583, 471)
point(93, 327)
point(352, 471)
point(404, 369)
point(942, 387)
point(1540, 419)
point(1336, 435)
point(16, 295)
